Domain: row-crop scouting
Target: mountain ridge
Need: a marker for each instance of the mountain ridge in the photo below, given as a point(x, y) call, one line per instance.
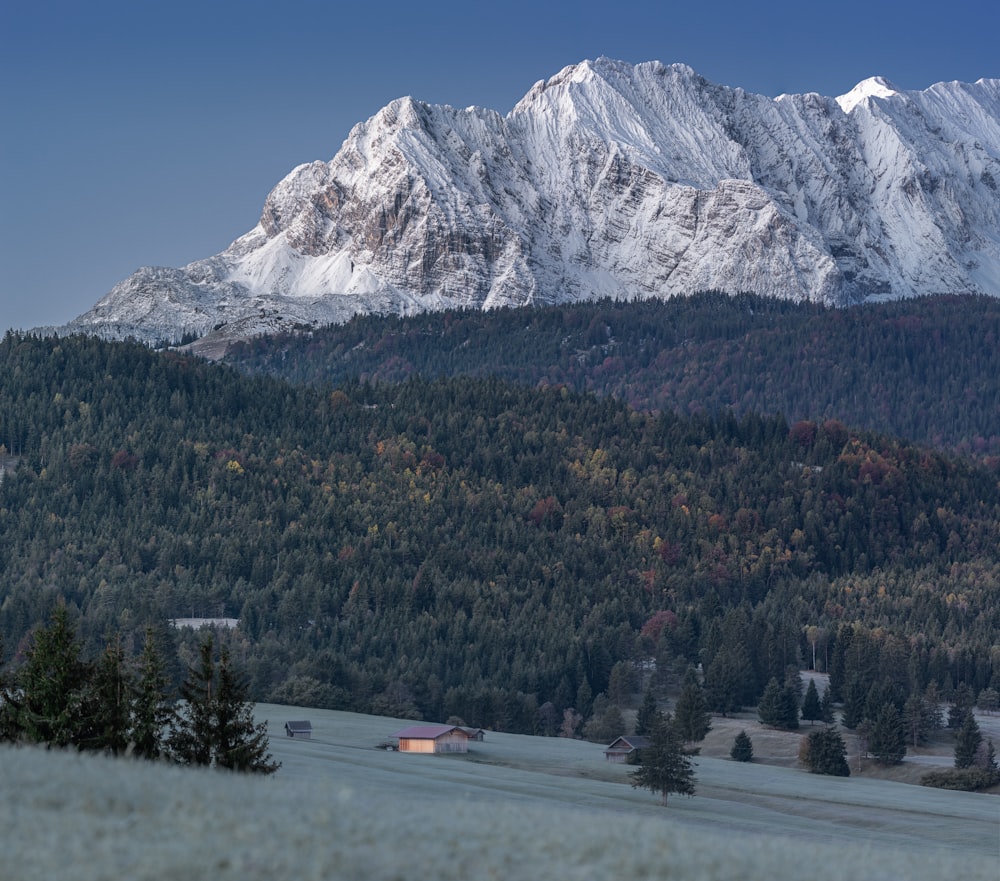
point(606, 180)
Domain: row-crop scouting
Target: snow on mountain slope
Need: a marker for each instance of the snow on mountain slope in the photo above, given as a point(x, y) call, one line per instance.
point(607, 180)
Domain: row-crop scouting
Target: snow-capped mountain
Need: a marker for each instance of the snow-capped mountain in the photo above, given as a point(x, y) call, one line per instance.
point(608, 180)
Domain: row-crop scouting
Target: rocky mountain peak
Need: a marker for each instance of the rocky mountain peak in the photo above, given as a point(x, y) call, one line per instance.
point(607, 179)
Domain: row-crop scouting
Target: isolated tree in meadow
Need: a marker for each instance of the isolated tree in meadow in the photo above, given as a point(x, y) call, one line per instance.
point(886, 738)
point(742, 750)
point(824, 752)
point(967, 741)
point(666, 765)
point(812, 707)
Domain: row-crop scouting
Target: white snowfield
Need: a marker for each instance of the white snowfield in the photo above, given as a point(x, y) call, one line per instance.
point(514, 807)
point(608, 180)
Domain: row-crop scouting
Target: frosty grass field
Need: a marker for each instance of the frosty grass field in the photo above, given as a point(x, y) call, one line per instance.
point(514, 807)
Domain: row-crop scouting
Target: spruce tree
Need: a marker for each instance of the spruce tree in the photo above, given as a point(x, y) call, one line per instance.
point(240, 743)
point(812, 708)
point(53, 681)
point(10, 703)
point(691, 717)
point(742, 750)
point(854, 703)
point(967, 741)
point(778, 706)
point(725, 680)
point(826, 753)
point(961, 707)
point(107, 705)
point(666, 765)
point(647, 714)
point(887, 740)
point(192, 737)
point(216, 724)
point(826, 708)
point(152, 713)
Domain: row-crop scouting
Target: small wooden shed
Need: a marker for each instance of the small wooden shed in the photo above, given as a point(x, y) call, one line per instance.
point(475, 734)
point(302, 729)
point(625, 748)
point(433, 739)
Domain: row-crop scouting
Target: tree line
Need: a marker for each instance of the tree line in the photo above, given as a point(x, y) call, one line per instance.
point(58, 698)
point(925, 369)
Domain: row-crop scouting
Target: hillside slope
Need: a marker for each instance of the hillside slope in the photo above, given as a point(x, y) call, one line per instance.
point(341, 809)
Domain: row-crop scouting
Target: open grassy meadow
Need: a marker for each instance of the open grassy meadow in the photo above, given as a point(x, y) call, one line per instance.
point(513, 807)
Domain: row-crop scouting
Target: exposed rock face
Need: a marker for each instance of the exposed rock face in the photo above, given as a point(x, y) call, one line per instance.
point(608, 180)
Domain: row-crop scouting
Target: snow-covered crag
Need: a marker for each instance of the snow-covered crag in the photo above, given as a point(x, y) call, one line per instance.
point(608, 180)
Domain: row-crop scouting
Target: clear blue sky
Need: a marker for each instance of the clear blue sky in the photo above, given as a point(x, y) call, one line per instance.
point(144, 132)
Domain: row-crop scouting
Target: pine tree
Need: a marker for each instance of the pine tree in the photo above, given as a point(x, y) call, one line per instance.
point(53, 681)
point(812, 708)
point(666, 765)
point(691, 717)
point(152, 712)
point(967, 742)
point(742, 750)
point(826, 753)
point(887, 740)
point(647, 714)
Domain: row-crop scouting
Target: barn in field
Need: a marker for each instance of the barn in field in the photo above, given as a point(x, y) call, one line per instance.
point(625, 748)
point(433, 739)
point(301, 729)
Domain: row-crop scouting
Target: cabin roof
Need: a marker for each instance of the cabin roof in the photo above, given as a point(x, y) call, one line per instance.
point(633, 741)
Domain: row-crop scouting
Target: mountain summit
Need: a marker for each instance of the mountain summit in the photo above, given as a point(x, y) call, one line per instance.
point(607, 180)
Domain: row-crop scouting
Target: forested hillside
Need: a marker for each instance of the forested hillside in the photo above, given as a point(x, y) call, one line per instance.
point(927, 369)
point(478, 548)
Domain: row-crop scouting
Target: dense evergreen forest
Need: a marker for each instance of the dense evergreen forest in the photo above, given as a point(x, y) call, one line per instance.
point(479, 548)
point(927, 370)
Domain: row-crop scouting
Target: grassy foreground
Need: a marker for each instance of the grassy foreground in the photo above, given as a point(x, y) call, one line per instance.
point(515, 807)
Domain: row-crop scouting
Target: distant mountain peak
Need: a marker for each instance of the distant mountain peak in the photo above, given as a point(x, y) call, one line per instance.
point(607, 180)
point(873, 87)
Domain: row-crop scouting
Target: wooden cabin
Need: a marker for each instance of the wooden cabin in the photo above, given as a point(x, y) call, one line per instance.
point(625, 748)
point(301, 730)
point(433, 739)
